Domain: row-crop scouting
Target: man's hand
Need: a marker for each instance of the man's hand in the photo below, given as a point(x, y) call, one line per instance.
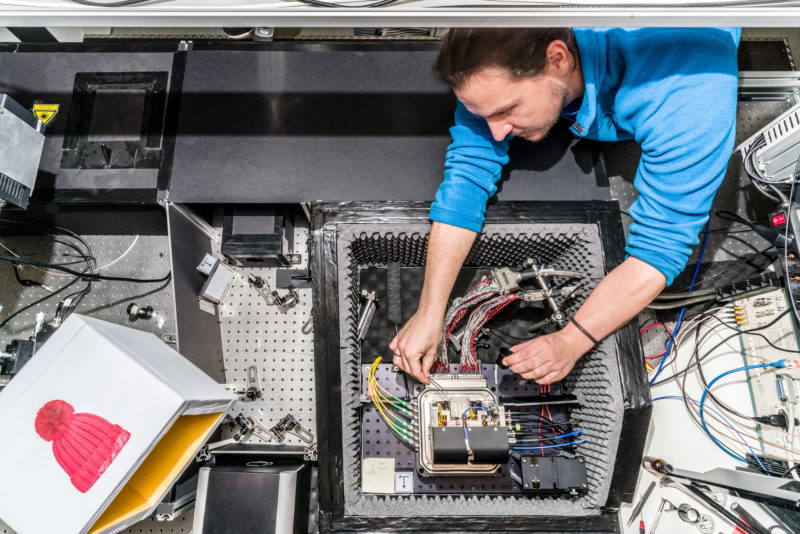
point(419, 338)
point(549, 358)
point(616, 299)
point(415, 345)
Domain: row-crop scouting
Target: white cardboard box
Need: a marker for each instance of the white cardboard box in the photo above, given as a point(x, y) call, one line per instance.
point(125, 415)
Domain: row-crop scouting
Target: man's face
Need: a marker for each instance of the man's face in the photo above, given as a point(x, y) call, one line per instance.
point(527, 107)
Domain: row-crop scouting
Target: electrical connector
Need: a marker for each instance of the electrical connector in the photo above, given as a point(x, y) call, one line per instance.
point(777, 420)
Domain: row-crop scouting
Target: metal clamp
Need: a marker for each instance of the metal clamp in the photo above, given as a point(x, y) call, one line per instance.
point(290, 425)
point(249, 427)
point(273, 298)
point(252, 390)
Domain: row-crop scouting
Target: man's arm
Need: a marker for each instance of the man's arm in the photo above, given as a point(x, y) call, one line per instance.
point(683, 163)
point(622, 294)
point(419, 338)
point(472, 168)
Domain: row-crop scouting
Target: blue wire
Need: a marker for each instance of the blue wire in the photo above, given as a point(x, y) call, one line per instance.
point(549, 446)
point(730, 425)
point(487, 410)
point(779, 363)
point(680, 316)
point(562, 435)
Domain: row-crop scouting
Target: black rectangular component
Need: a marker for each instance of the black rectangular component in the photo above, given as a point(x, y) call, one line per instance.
point(115, 121)
point(21, 351)
point(553, 473)
point(14, 192)
point(489, 445)
point(765, 54)
point(252, 494)
point(258, 236)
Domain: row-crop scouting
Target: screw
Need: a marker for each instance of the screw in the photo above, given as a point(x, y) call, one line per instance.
point(527, 486)
point(524, 461)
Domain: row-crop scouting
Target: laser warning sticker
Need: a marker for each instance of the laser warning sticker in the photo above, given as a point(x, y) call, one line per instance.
point(45, 112)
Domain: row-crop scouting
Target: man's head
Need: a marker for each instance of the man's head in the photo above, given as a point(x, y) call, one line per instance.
point(519, 80)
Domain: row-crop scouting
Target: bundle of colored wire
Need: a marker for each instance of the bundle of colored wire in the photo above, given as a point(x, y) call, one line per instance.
point(740, 434)
point(725, 422)
point(779, 363)
point(458, 309)
point(395, 411)
point(680, 316)
point(479, 317)
point(542, 447)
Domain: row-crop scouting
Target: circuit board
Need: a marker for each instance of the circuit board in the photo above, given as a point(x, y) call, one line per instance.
point(775, 390)
point(378, 441)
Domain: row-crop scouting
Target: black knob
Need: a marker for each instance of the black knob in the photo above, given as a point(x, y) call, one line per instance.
point(139, 312)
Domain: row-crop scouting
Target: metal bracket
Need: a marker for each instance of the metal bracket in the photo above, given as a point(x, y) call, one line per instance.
point(367, 313)
point(249, 427)
point(264, 34)
point(254, 390)
point(774, 86)
point(162, 197)
point(197, 221)
point(250, 391)
point(272, 297)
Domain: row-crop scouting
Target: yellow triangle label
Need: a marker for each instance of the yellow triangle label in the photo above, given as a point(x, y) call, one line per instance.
point(45, 112)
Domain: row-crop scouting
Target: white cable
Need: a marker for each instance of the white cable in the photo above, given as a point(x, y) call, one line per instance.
point(109, 264)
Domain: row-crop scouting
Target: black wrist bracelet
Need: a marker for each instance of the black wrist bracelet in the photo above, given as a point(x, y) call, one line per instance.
point(585, 332)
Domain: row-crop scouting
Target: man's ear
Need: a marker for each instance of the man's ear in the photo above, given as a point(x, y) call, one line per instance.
point(559, 58)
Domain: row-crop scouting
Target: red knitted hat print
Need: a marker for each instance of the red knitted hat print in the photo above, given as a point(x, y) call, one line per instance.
point(84, 444)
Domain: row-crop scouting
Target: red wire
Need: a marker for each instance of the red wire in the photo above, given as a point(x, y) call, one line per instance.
point(540, 428)
point(648, 327)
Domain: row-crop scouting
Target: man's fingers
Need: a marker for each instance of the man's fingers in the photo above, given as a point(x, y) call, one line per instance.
point(393, 344)
point(550, 378)
point(519, 346)
point(517, 356)
point(427, 361)
point(415, 368)
point(529, 363)
point(399, 362)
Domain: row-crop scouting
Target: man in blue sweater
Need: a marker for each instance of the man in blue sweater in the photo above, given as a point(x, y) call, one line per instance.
point(672, 90)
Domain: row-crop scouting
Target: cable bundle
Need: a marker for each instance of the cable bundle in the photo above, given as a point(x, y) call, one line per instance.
point(477, 294)
point(89, 272)
point(395, 411)
point(536, 432)
point(479, 317)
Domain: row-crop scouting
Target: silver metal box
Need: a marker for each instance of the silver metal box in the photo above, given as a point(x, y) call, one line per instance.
point(21, 144)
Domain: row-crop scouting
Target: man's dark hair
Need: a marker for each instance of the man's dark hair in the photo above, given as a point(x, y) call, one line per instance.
point(521, 51)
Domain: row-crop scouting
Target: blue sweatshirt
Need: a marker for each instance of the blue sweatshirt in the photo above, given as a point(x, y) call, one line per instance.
point(673, 90)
